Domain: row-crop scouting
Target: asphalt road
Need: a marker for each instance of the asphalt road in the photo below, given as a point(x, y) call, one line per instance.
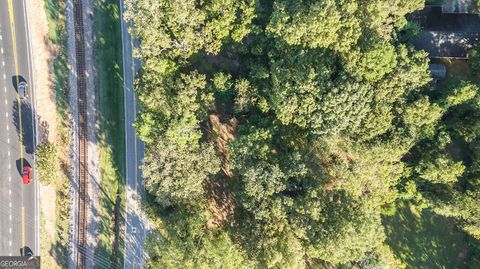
point(18, 202)
point(135, 230)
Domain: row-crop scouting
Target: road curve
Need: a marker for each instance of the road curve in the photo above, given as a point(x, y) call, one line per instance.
point(18, 202)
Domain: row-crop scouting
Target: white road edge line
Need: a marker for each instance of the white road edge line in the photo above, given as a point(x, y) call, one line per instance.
point(33, 101)
point(125, 130)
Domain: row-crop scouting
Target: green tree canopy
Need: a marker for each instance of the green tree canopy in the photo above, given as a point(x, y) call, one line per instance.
point(323, 119)
point(177, 29)
point(175, 174)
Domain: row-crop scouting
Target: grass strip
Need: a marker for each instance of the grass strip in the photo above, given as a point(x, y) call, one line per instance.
point(109, 83)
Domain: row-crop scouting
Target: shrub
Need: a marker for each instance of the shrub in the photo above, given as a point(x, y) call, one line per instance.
point(47, 162)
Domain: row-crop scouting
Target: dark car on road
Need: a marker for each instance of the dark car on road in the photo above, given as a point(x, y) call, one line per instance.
point(26, 251)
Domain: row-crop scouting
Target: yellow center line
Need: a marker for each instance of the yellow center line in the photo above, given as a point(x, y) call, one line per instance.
point(23, 231)
point(14, 42)
point(17, 78)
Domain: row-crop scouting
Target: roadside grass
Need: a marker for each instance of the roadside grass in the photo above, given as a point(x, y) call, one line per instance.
point(62, 218)
point(55, 250)
point(48, 261)
point(55, 10)
point(109, 83)
point(422, 239)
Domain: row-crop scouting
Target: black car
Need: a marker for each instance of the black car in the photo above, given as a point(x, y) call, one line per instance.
point(26, 251)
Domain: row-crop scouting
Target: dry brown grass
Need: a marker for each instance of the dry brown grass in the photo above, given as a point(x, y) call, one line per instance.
point(44, 52)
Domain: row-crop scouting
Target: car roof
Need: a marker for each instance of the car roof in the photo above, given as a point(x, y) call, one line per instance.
point(22, 88)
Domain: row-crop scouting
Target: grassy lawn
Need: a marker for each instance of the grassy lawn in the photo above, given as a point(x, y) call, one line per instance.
point(426, 240)
point(57, 34)
point(62, 218)
point(109, 82)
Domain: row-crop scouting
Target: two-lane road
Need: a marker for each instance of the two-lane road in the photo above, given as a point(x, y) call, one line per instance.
point(136, 227)
point(18, 202)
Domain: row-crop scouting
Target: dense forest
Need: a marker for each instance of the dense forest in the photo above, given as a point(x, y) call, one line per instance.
point(278, 132)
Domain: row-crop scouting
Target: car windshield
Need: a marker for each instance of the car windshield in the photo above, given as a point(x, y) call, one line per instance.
point(22, 88)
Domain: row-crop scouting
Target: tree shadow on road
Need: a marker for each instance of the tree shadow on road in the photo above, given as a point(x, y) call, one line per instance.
point(16, 80)
point(24, 125)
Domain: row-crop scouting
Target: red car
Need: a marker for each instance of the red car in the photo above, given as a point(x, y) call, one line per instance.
point(27, 175)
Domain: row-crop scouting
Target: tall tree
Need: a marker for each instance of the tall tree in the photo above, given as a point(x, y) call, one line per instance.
point(329, 106)
point(176, 29)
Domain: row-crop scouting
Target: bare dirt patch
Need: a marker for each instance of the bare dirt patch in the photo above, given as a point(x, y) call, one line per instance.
point(220, 201)
point(224, 131)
